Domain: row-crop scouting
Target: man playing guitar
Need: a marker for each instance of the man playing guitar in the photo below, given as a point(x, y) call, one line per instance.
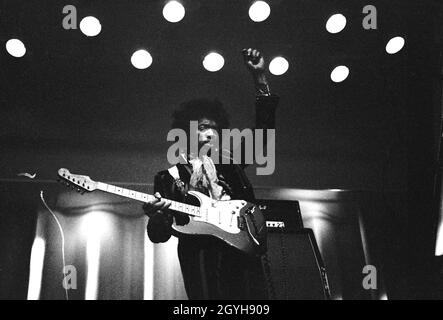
point(211, 269)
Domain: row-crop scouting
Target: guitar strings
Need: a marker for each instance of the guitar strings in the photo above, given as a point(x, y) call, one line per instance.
point(63, 243)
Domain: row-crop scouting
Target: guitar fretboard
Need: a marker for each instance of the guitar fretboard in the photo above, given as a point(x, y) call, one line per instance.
point(144, 197)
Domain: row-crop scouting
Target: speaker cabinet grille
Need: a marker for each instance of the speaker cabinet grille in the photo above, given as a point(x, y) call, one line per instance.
point(294, 268)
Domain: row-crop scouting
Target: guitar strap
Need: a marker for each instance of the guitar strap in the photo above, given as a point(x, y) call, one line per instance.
point(175, 173)
point(180, 219)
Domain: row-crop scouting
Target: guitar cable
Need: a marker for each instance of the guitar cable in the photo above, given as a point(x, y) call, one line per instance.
point(249, 230)
point(63, 243)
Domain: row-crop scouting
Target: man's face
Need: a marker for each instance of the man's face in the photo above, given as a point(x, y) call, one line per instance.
point(207, 133)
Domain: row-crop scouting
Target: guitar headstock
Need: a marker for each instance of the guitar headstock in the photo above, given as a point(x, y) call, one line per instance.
point(78, 182)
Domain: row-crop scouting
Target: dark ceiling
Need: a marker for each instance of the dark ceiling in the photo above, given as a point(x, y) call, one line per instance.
point(74, 92)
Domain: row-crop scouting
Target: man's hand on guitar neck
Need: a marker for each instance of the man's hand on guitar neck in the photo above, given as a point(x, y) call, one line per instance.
point(156, 206)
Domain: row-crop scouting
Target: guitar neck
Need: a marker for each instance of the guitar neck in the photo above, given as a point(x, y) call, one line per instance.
point(144, 197)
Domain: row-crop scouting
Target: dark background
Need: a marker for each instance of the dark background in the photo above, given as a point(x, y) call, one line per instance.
point(77, 102)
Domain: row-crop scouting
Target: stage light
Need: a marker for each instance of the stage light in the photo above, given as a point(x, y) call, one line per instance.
point(95, 226)
point(141, 59)
point(278, 66)
point(93, 264)
point(90, 26)
point(173, 11)
point(439, 240)
point(36, 268)
point(395, 45)
point(15, 48)
point(95, 223)
point(336, 23)
point(259, 11)
point(213, 62)
point(148, 276)
point(339, 73)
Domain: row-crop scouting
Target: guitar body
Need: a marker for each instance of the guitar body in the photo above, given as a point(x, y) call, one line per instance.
point(238, 223)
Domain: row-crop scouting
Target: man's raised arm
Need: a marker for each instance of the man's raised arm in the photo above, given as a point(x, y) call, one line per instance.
point(265, 105)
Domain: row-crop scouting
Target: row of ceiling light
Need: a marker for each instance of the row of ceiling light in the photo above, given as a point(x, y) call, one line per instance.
point(174, 11)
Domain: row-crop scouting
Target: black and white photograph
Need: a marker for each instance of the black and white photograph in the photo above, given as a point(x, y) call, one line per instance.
point(243, 152)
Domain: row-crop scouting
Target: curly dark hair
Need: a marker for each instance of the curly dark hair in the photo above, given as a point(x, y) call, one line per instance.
point(197, 109)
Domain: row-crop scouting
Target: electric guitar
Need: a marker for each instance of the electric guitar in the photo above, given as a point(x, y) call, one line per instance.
point(238, 223)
